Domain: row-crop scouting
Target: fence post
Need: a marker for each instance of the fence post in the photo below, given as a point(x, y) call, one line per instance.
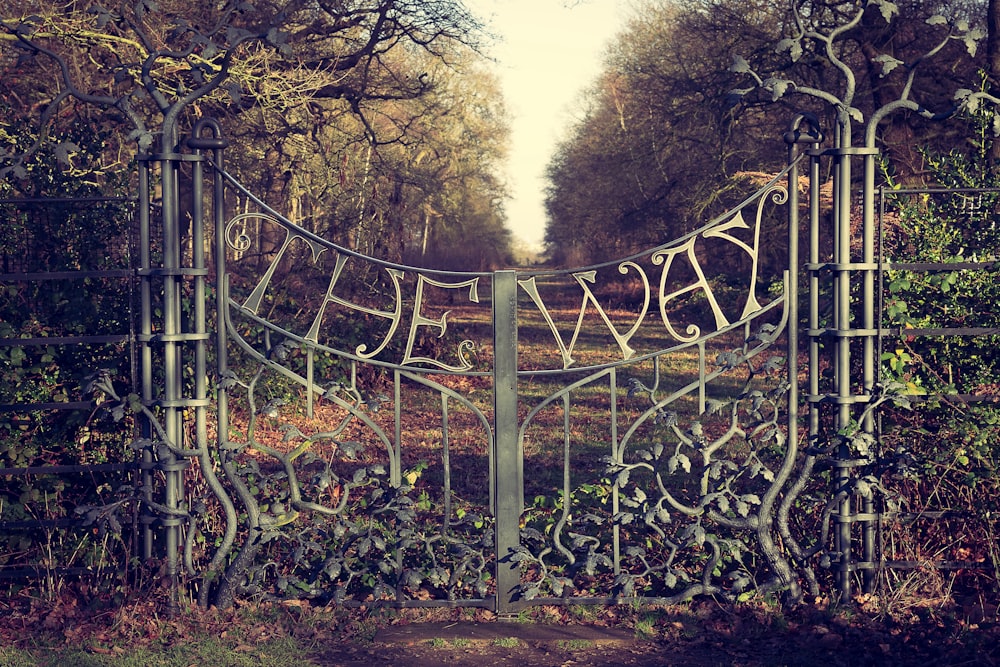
point(169, 337)
point(508, 479)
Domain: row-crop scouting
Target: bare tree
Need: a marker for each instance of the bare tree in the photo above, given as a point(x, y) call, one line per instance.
point(150, 62)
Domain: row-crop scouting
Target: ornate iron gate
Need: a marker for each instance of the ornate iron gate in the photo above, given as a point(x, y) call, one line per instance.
point(439, 461)
point(324, 424)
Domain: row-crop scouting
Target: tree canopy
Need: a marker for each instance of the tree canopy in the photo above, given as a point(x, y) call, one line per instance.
point(331, 101)
point(695, 94)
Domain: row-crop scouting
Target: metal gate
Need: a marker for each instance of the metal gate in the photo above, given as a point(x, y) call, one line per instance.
point(318, 423)
point(624, 431)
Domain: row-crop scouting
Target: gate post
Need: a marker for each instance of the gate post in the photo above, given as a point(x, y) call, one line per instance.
point(162, 345)
point(853, 320)
point(508, 476)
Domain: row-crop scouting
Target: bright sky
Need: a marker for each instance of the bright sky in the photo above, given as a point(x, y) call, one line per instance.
point(548, 52)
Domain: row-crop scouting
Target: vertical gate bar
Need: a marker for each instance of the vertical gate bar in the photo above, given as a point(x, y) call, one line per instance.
point(446, 462)
point(172, 377)
point(221, 295)
point(567, 477)
point(145, 352)
point(814, 292)
point(792, 295)
point(508, 482)
point(395, 463)
point(217, 144)
point(794, 138)
point(842, 324)
point(200, 324)
point(310, 374)
point(702, 374)
point(868, 353)
point(616, 529)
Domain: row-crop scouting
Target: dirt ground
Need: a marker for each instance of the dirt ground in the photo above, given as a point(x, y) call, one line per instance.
point(919, 631)
point(697, 636)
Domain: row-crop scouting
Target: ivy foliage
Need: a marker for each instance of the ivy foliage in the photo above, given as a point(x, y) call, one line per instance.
point(82, 225)
point(952, 435)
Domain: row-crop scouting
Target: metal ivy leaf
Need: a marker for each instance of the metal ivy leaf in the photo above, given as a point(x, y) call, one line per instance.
point(624, 518)
point(350, 449)
point(971, 45)
point(270, 408)
point(888, 9)
point(627, 584)
point(292, 432)
point(678, 461)
point(666, 418)
point(143, 137)
point(714, 406)
point(519, 555)
point(228, 380)
point(722, 503)
point(234, 34)
point(740, 65)
point(760, 469)
point(773, 364)
point(64, 150)
point(281, 350)
point(777, 88)
point(888, 64)
point(697, 433)
point(863, 443)
point(766, 334)
point(740, 581)
point(528, 533)
point(697, 535)
point(727, 360)
point(561, 584)
point(140, 444)
point(937, 19)
point(793, 46)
